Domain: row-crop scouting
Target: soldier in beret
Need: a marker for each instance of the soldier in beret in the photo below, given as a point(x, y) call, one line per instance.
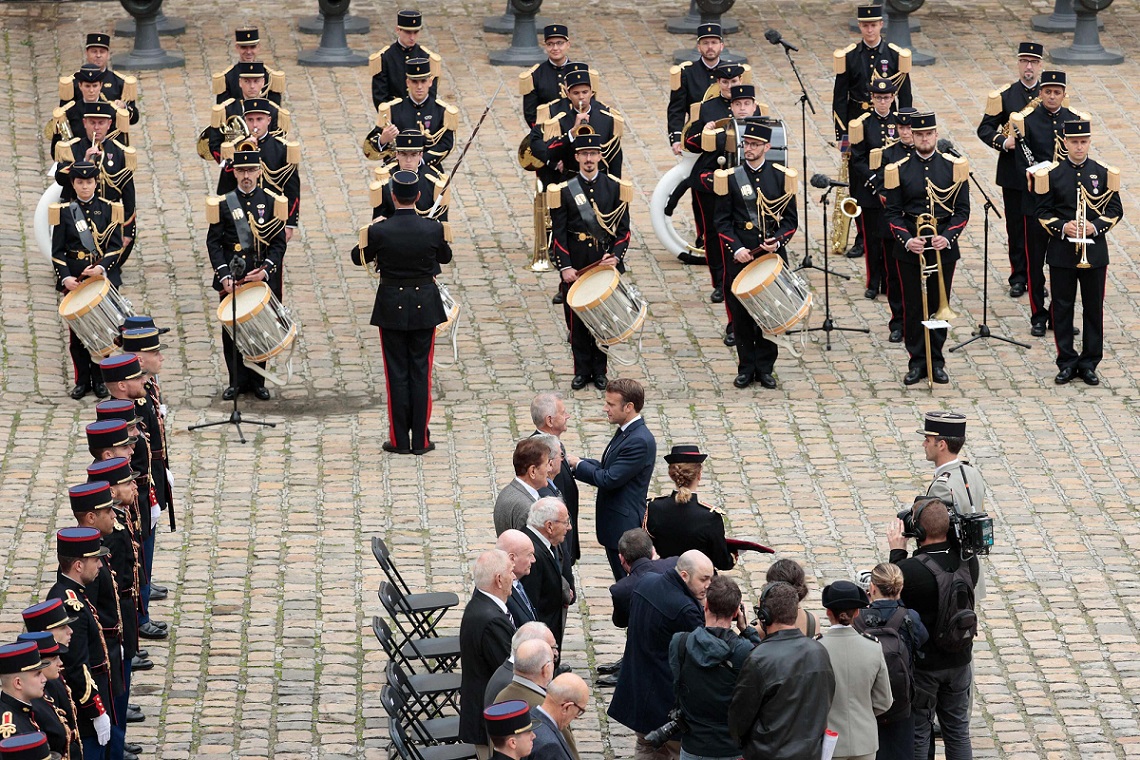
point(420, 111)
point(388, 65)
point(227, 84)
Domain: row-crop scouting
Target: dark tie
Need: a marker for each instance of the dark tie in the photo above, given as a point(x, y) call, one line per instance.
point(522, 595)
point(609, 445)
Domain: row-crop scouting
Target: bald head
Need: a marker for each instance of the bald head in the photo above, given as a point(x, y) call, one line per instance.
point(534, 661)
point(697, 571)
point(519, 548)
point(566, 698)
point(493, 573)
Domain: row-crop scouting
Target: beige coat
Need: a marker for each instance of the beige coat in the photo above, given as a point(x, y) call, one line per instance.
point(862, 690)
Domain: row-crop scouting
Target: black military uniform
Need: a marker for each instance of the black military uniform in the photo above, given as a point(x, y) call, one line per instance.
point(72, 112)
point(40, 620)
point(407, 250)
point(743, 221)
point(868, 132)
point(16, 716)
point(152, 410)
point(1056, 192)
point(211, 138)
point(87, 233)
point(856, 65)
point(431, 184)
point(553, 140)
point(544, 82)
point(280, 159)
point(101, 435)
point(266, 215)
point(388, 66)
point(905, 186)
point(877, 159)
point(589, 220)
point(436, 119)
point(688, 84)
point(115, 85)
point(993, 131)
point(676, 527)
point(226, 84)
point(54, 713)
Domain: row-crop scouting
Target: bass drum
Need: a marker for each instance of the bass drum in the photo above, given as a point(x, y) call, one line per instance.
point(663, 225)
point(41, 220)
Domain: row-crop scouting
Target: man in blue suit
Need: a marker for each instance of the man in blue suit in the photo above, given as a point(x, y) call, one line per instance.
point(622, 476)
point(567, 698)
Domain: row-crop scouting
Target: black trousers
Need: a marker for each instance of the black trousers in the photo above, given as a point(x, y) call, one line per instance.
point(910, 273)
point(704, 208)
point(408, 356)
point(1065, 281)
point(754, 353)
point(87, 371)
point(1036, 240)
point(589, 360)
point(241, 377)
point(872, 225)
point(1016, 222)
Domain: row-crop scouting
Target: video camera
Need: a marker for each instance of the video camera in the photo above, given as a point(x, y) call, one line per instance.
point(674, 727)
point(973, 532)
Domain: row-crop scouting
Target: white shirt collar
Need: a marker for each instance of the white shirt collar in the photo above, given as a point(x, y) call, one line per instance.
point(626, 425)
point(524, 484)
point(944, 467)
point(498, 602)
point(545, 541)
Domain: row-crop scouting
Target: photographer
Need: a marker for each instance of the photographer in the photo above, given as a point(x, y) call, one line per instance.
point(940, 588)
point(705, 664)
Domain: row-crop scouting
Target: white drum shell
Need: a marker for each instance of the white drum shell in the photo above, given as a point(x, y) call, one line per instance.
point(265, 326)
point(780, 304)
point(103, 315)
point(617, 315)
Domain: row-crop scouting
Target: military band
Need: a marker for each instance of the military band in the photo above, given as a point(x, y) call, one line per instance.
point(389, 65)
point(420, 110)
point(114, 88)
point(691, 83)
point(227, 84)
point(860, 62)
point(545, 82)
point(434, 195)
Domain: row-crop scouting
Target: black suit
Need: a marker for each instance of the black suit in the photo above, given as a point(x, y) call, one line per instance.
point(484, 644)
point(408, 250)
point(519, 610)
point(544, 583)
point(568, 489)
point(621, 593)
point(499, 680)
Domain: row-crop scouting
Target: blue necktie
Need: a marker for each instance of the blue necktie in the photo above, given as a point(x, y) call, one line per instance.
point(522, 595)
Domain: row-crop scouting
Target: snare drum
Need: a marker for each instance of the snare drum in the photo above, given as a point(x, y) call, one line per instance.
point(610, 308)
point(774, 295)
point(95, 312)
point(265, 326)
point(450, 305)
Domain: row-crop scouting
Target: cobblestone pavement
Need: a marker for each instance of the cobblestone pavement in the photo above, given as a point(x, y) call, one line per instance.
point(272, 585)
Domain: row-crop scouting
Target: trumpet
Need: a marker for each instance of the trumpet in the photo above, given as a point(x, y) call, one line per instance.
point(540, 255)
point(582, 106)
point(1082, 224)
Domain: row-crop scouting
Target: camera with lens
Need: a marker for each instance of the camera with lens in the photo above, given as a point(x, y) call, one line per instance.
point(673, 728)
point(972, 533)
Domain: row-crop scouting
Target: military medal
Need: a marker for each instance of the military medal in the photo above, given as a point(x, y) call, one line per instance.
point(891, 131)
point(1095, 183)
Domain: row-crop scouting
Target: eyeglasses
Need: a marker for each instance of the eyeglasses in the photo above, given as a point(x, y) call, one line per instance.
point(581, 710)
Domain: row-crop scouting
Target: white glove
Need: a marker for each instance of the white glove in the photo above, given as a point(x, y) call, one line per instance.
point(155, 511)
point(170, 477)
point(103, 728)
point(162, 410)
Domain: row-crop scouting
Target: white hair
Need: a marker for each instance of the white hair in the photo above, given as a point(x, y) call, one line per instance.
point(529, 632)
point(543, 511)
point(544, 405)
point(552, 442)
point(491, 563)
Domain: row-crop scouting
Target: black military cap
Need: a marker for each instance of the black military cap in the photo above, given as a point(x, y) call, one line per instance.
point(143, 321)
point(83, 170)
point(685, 454)
point(883, 86)
point(410, 140)
point(47, 615)
point(1030, 50)
point(46, 642)
point(709, 30)
point(554, 31)
point(106, 434)
point(1078, 128)
point(923, 122)
point(905, 114)
point(409, 21)
point(115, 471)
point(257, 105)
point(117, 409)
point(80, 542)
point(89, 72)
point(844, 595)
point(98, 39)
point(122, 367)
point(90, 497)
point(869, 13)
point(576, 66)
point(578, 77)
point(756, 130)
point(587, 142)
point(743, 91)
point(508, 718)
point(1055, 78)
point(418, 68)
point(33, 746)
point(21, 657)
point(141, 339)
point(252, 69)
point(100, 109)
point(405, 186)
point(949, 424)
point(729, 71)
point(247, 36)
point(246, 158)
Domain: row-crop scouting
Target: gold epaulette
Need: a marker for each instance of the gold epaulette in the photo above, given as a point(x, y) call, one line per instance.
point(961, 168)
point(526, 80)
point(384, 173)
point(63, 150)
point(226, 151)
point(123, 120)
point(447, 237)
point(708, 139)
point(839, 58)
point(292, 152)
point(904, 57)
point(277, 81)
point(855, 129)
point(384, 112)
point(436, 65)
point(362, 238)
point(284, 122)
point(1017, 120)
point(66, 87)
point(1113, 178)
point(625, 189)
point(1083, 116)
point(875, 158)
point(376, 61)
point(720, 181)
point(376, 193)
point(746, 77)
point(118, 214)
point(791, 179)
point(450, 115)
point(218, 113)
point(891, 174)
point(439, 185)
point(130, 156)
point(53, 212)
point(130, 88)
point(993, 105)
point(763, 108)
point(219, 81)
point(542, 113)
point(552, 127)
point(675, 74)
point(280, 205)
point(554, 195)
point(1064, 101)
point(213, 209)
point(1041, 178)
point(619, 123)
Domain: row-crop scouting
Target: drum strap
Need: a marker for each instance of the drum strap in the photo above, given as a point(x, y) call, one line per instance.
point(241, 221)
point(749, 194)
point(86, 239)
point(586, 211)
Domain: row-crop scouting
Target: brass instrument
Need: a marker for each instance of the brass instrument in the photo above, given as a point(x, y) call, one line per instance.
point(850, 208)
point(926, 226)
point(59, 125)
point(527, 160)
point(841, 222)
point(540, 255)
point(582, 106)
point(1082, 224)
point(235, 130)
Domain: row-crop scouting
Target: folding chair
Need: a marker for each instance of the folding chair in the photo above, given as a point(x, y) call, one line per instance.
point(426, 731)
point(408, 751)
point(436, 655)
point(422, 612)
point(427, 693)
point(384, 558)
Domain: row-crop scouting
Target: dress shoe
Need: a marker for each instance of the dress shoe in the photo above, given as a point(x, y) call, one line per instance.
point(133, 706)
point(579, 382)
point(896, 336)
point(130, 755)
point(915, 374)
point(729, 336)
point(1017, 290)
point(766, 380)
point(160, 624)
point(1037, 330)
point(600, 382)
point(610, 680)
point(1065, 375)
point(131, 747)
point(139, 663)
point(101, 390)
point(940, 376)
point(856, 252)
point(135, 716)
point(1089, 376)
point(392, 448)
point(743, 380)
point(424, 450)
point(142, 654)
point(80, 390)
point(158, 593)
point(717, 295)
point(609, 668)
point(230, 393)
point(870, 293)
point(151, 631)
point(155, 587)
point(558, 298)
point(261, 393)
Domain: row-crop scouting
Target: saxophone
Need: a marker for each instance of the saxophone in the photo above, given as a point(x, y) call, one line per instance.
point(841, 220)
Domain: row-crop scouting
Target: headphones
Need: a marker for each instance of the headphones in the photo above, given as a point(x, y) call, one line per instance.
point(919, 530)
point(763, 614)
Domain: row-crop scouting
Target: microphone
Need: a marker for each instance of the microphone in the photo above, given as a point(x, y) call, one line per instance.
point(822, 181)
point(774, 37)
point(945, 146)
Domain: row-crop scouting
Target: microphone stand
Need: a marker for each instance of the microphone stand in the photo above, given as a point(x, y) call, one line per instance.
point(237, 270)
point(828, 323)
point(983, 330)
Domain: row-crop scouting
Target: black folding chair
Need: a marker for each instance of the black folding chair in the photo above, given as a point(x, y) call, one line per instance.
point(421, 612)
point(428, 693)
point(408, 751)
point(435, 655)
point(426, 731)
point(384, 558)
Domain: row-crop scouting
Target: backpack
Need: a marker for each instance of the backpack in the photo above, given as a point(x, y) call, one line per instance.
point(957, 623)
point(896, 653)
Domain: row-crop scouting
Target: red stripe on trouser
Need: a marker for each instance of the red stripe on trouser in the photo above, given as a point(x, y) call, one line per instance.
point(431, 364)
point(387, 390)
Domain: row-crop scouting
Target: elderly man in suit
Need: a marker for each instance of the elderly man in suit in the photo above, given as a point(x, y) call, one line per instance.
point(519, 548)
point(567, 698)
point(533, 631)
point(484, 642)
point(531, 462)
point(623, 473)
point(534, 667)
point(550, 583)
point(549, 415)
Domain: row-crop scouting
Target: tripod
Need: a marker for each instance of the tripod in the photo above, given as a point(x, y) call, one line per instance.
point(828, 323)
point(237, 270)
point(983, 330)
